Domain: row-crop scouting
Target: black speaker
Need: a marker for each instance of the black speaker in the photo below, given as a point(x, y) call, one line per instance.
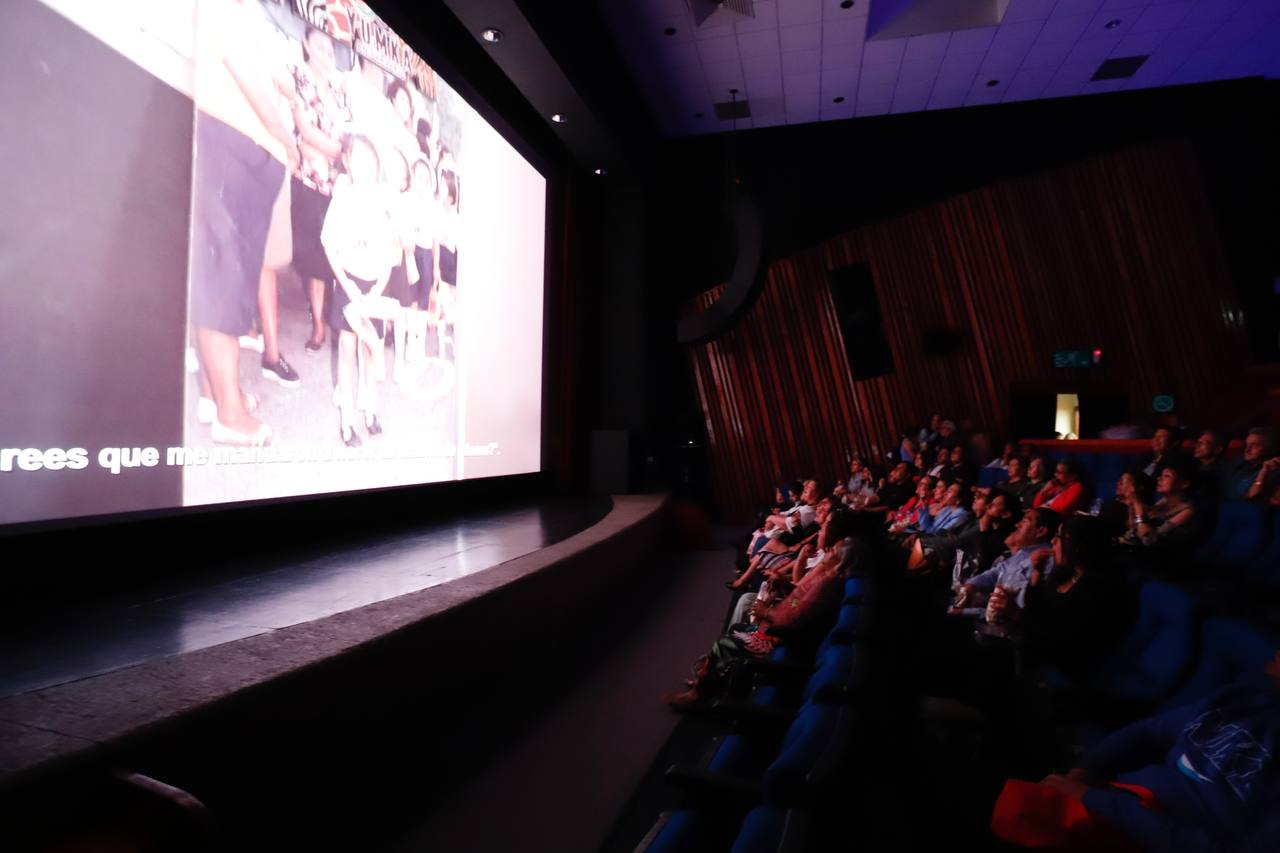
point(941, 341)
point(853, 292)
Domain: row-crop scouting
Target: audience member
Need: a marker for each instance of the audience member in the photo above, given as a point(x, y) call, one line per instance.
point(1117, 513)
point(1006, 456)
point(1064, 494)
point(1210, 480)
point(894, 492)
point(958, 466)
point(1169, 524)
point(1005, 583)
point(1078, 609)
point(948, 512)
point(1166, 444)
point(1199, 777)
point(1255, 477)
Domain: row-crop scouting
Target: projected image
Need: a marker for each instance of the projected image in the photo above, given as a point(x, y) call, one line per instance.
point(359, 303)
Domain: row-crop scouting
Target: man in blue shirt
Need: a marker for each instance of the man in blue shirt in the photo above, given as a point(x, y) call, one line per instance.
point(1007, 580)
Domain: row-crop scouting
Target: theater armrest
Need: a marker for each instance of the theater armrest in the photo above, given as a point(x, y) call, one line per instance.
point(706, 786)
point(751, 715)
point(778, 671)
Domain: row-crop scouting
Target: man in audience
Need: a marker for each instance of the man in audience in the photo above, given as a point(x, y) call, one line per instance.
point(1210, 480)
point(1202, 777)
point(949, 511)
point(1166, 444)
point(1064, 494)
point(1255, 477)
point(958, 466)
point(947, 435)
point(895, 492)
point(1019, 485)
point(1006, 581)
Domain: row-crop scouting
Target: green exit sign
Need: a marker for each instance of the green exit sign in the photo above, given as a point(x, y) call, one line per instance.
point(1162, 403)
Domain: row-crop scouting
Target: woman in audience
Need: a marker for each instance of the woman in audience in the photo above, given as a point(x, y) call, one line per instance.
point(1169, 524)
point(1116, 513)
point(1064, 494)
point(1078, 610)
point(814, 598)
point(909, 513)
point(1026, 479)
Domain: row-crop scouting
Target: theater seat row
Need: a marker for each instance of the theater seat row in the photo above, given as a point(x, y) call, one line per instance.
point(785, 748)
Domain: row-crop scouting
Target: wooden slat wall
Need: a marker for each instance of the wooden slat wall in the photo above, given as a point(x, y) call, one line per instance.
point(1118, 251)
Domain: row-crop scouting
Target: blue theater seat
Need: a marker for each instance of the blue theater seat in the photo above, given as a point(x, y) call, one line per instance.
point(769, 829)
point(1265, 567)
point(1156, 654)
point(685, 831)
point(1241, 532)
point(1230, 652)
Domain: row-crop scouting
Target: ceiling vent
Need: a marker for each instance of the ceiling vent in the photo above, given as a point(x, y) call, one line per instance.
point(1119, 68)
point(730, 110)
point(718, 13)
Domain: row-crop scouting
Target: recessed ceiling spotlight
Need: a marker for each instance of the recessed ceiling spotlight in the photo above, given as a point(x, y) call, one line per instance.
point(491, 35)
point(602, 171)
point(559, 118)
point(838, 99)
point(697, 115)
point(993, 82)
point(1113, 23)
point(846, 4)
point(669, 31)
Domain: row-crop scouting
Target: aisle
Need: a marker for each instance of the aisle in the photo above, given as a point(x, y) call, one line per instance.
point(560, 786)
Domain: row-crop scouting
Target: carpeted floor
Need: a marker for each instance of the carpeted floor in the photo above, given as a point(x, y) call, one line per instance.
point(562, 785)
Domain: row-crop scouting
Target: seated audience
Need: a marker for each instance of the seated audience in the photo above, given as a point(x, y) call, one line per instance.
point(1005, 583)
point(970, 547)
point(1009, 453)
point(1166, 444)
point(948, 512)
point(1077, 610)
point(1018, 485)
point(1064, 494)
point(1210, 481)
point(947, 435)
point(789, 525)
point(1117, 513)
point(958, 466)
point(1169, 523)
point(893, 492)
point(812, 600)
point(941, 459)
point(860, 486)
point(1255, 477)
point(908, 514)
point(782, 551)
point(929, 434)
point(1026, 487)
point(1202, 777)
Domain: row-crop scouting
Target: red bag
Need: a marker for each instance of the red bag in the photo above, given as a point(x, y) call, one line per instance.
point(1034, 815)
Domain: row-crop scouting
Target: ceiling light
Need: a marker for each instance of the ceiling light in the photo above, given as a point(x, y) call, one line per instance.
point(993, 82)
point(838, 99)
point(491, 35)
point(697, 115)
point(669, 31)
point(602, 171)
point(846, 4)
point(559, 118)
point(1113, 23)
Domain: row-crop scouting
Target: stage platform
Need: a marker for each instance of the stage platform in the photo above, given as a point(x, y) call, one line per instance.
point(116, 670)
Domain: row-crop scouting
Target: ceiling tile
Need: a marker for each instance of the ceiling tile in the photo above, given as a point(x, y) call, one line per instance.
point(885, 52)
point(1067, 28)
point(959, 66)
point(923, 70)
point(1061, 89)
point(841, 55)
point(770, 120)
point(1027, 10)
point(718, 31)
point(1097, 28)
point(719, 49)
point(873, 109)
point(1051, 55)
point(758, 43)
point(1112, 6)
point(801, 62)
point(880, 73)
point(1096, 86)
point(909, 104)
point(1066, 8)
point(801, 37)
point(1261, 12)
point(1162, 16)
point(764, 87)
point(948, 99)
point(799, 11)
point(850, 31)
point(843, 81)
point(803, 100)
point(971, 41)
point(679, 54)
point(1021, 34)
point(766, 18)
point(868, 91)
point(1139, 44)
point(802, 84)
point(723, 76)
point(1212, 12)
point(932, 46)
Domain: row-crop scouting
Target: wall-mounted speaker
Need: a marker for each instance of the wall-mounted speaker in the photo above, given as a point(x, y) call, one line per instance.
point(853, 293)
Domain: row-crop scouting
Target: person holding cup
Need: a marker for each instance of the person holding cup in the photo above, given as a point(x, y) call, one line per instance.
point(1005, 583)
